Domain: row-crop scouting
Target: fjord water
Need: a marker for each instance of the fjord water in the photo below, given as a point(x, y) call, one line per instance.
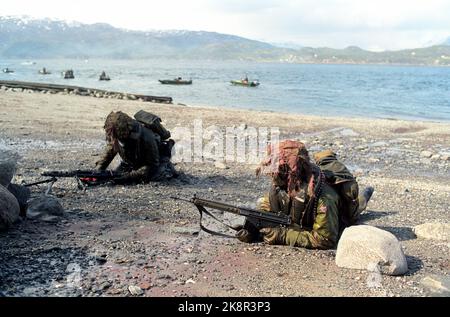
point(376, 91)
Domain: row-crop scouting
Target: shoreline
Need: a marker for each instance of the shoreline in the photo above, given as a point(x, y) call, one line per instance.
point(341, 118)
point(41, 87)
point(235, 61)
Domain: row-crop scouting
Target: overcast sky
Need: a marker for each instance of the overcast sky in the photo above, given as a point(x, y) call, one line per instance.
point(370, 24)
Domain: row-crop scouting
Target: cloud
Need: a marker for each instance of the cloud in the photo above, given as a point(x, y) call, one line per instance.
point(242, 6)
point(388, 24)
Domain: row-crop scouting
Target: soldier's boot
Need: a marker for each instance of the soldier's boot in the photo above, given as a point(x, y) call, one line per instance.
point(364, 198)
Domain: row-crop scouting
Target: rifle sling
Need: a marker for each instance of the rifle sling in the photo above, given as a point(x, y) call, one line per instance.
point(202, 210)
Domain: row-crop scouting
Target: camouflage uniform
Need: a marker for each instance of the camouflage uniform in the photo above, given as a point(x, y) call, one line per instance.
point(336, 173)
point(321, 202)
point(138, 147)
point(313, 229)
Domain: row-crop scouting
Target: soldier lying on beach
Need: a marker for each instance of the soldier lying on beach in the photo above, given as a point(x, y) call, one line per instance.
point(143, 145)
point(321, 199)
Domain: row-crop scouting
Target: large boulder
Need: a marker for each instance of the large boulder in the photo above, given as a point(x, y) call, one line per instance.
point(22, 195)
point(9, 208)
point(44, 207)
point(362, 247)
point(8, 164)
point(433, 231)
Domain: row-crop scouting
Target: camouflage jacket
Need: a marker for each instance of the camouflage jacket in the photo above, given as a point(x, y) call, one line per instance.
point(323, 229)
point(140, 151)
point(320, 229)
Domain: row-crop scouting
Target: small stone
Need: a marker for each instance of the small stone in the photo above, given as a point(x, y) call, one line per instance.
point(145, 285)
point(435, 157)
point(437, 285)
point(190, 281)
point(101, 260)
point(433, 231)
point(426, 154)
point(115, 291)
point(135, 290)
point(220, 165)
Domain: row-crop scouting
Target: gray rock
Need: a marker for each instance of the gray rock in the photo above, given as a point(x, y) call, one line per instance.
point(435, 157)
point(426, 154)
point(22, 195)
point(8, 163)
point(9, 209)
point(44, 206)
point(433, 231)
point(220, 165)
point(135, 290)
point(360, 247)
point(436, 285)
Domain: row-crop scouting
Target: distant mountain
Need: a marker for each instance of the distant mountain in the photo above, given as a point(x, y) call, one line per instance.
point(447, 41)
point(28, 38)
point(22, 37)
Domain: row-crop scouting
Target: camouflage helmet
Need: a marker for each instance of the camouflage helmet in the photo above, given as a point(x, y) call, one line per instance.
point(118, 125)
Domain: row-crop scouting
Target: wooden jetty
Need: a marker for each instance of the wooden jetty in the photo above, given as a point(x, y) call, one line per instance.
point(82, 91)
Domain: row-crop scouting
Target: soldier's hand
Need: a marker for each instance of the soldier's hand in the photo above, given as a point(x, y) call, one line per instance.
point(123, 179)
point(99, 167)
point(274, 235)
point(244, 235)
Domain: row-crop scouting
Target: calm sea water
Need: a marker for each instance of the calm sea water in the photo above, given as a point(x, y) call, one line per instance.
point(403, 92)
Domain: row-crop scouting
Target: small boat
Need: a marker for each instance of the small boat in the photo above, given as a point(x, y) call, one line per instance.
point(246, 83)
point(68, 74)
point(103, 76)
point(176, 81)
point(44, 71)
point(7, 70)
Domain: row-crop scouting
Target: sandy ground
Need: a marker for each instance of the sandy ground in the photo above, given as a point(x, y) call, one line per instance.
point(113, 237)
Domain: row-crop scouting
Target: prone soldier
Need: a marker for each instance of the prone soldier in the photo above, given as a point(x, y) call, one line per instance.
point(321, 201)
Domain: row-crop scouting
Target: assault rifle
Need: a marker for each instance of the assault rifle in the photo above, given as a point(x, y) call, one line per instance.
point(255, 219)
point(85, 178)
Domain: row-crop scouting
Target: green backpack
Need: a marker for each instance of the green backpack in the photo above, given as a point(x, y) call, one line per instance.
point(153, 122)
point(339, 177)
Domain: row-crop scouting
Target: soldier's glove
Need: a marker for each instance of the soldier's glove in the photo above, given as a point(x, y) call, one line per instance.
point(243, 235)
point(125, 178)
point(274, 235)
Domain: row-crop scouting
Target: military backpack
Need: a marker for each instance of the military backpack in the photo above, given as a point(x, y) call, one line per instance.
point(344, 183)
point(153, 122)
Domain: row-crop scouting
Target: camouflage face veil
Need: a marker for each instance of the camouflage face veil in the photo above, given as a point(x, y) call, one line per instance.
point(118, 126)
point(287, 162)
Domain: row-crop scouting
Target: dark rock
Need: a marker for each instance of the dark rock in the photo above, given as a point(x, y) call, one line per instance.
point(22, 195)
point(8, 163)
point(9, 208)
point(44, 206)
